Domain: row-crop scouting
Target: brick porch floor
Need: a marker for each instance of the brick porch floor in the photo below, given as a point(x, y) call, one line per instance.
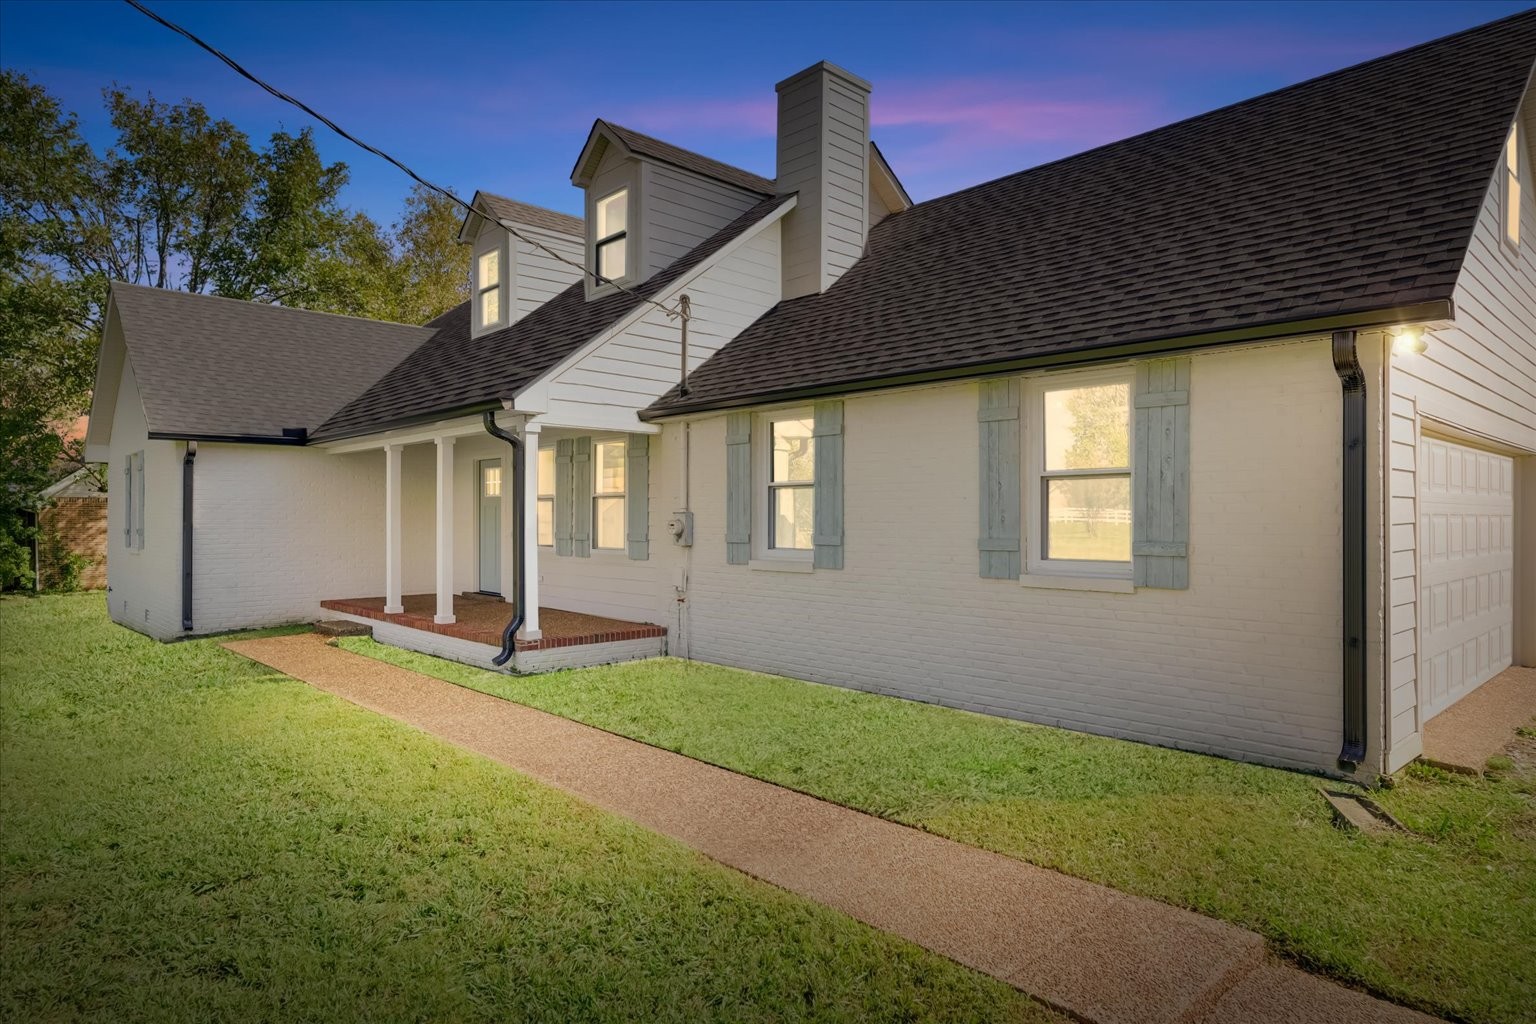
point(481, 619)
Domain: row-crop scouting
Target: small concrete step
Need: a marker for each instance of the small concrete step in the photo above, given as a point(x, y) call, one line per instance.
point(342, 627)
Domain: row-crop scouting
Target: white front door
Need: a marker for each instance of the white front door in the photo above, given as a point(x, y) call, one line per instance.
point(1467, 569)
point(489, 472)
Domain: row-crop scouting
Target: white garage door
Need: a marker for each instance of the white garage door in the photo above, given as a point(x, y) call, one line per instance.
point(1467, 566)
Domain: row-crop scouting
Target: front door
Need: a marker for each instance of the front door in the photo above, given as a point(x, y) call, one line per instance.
point(489, 471)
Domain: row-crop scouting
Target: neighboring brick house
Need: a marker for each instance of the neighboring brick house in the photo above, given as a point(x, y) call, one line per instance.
point(1221, 437)
point(72, 521)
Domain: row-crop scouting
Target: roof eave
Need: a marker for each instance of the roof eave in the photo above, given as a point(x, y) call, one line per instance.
point(1437, 309)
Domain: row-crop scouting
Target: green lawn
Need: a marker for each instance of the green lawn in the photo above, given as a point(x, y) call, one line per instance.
point(1445, 920)
point(188, 836)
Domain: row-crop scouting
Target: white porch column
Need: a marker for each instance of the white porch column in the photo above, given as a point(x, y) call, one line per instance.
point(393, 604)
point(528, 522)
point(444, 531)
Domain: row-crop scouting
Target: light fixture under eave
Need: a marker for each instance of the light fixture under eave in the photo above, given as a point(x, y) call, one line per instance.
point(1409, 342)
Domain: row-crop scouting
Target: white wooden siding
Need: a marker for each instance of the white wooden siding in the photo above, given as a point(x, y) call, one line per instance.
point(1476, 379)
point(633, 368)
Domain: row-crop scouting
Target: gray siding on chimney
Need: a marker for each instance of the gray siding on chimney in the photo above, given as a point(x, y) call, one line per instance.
point(823, 155)
point(683, 209)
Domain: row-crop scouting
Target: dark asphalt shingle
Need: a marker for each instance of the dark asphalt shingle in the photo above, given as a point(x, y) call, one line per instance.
point(502, 208)
point(215, 367)
point(644, 145)
point(1352, 192)
point(454, 371)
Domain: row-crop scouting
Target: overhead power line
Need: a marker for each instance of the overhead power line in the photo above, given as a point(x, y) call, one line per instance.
point(681, 311)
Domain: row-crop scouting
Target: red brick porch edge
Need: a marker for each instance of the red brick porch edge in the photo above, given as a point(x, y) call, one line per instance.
point(371, 608)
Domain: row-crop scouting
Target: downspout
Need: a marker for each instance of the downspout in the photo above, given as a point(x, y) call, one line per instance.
point(1346, 363)
point(187, 463)
point(520, 584)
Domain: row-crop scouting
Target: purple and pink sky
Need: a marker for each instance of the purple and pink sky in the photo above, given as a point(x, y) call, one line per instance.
point(500, 96)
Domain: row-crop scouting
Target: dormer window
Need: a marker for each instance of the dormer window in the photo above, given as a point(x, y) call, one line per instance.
point(612, 224)
point(488, 287)
point(1512, 189)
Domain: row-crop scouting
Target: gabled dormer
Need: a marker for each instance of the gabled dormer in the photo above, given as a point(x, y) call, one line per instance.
point(510, 277)
point(648, 203)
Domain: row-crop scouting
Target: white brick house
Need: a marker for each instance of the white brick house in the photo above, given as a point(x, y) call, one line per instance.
point(1222, 437)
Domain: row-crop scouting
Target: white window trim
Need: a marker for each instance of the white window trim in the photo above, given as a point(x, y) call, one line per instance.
point(1060, 573)
point(1506, 201)
point(764, 554)
point(622, 550)
point(540, 497)
point(631, 213)
point(498, 243)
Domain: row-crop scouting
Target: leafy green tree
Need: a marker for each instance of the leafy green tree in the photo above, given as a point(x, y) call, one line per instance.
point(433, 266)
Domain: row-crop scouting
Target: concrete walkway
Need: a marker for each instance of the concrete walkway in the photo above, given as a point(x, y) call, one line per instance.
point(1465, 735)
point(1091, 951)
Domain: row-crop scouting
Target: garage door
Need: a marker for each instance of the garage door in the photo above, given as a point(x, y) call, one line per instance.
point(1467, 568)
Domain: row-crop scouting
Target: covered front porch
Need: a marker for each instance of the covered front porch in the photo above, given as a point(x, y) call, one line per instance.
point(449, 572)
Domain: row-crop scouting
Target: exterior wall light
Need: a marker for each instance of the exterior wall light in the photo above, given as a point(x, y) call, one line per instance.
point(1409, 342)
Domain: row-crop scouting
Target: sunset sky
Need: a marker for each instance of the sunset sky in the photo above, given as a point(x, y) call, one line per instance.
point(500, 96)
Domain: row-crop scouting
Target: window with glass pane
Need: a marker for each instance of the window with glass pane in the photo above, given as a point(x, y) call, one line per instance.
point(608, 494)
point(612, 234)
point(490, 481)
point(546, 497)
point(792, 484)
point(488, 286)
point(1085, 481)
point(1512, 187)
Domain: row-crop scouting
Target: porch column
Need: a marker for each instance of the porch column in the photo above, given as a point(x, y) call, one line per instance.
point(444, 531)
point(528, 522)
point(393, 604)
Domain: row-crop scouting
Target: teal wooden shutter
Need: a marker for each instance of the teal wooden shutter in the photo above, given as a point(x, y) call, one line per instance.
point(998, 417)
point(637, 496)
point(126, 504)
point(563, 452)
point(581, 497)
point(1160, 477)
point(738, 487)
point(138, 500)
point(827, 532)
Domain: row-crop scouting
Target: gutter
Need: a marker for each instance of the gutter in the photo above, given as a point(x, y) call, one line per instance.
point(290, 435)
point(1439, 309)
point(1346, 363)
point(520, 584)
point(188, 462)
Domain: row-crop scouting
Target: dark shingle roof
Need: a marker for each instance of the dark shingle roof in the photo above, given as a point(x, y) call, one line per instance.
point(1353, 192)
point(644, 145)
point(216, 367)
point(454, 372)
point(503, 208)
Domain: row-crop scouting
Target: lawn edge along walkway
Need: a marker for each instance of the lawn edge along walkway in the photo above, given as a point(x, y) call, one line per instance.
point(1101, 955)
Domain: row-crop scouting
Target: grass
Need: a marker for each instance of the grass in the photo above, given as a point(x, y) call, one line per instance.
point(1444, 920)
point(188, 836)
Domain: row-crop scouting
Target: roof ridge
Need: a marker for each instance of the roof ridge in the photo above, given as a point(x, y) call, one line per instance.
point(113, 285)
point(773, 188)
point(1529, 14)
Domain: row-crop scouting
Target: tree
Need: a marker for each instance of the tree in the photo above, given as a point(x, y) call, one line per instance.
point(181, 200)
point(434, 267)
